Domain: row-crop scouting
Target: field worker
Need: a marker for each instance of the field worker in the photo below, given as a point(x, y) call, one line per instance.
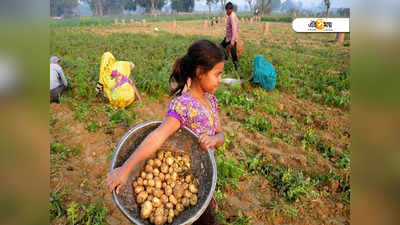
point(231, 35)
point(115, 82)
point(196, 109)
point(58, 82)
point(264, 74)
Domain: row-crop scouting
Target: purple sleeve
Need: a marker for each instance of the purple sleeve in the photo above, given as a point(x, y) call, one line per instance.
point(216, 107)
point(214, 102)
point(177, 110)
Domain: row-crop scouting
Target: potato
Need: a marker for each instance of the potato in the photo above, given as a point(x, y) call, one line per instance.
point(150, 190)
point(170, 170)
point(134, 184)
point(164, 199)
point(188, 178)
point(176, 212)
point(146, 210)
point(159, 211)
point(170, 153)
point(164, 184)
point(193, 200)
point(188, 194)
point(158, 184)
point(168, 176)
point(170, 219)
point(150, 198)
point(168, 190)
point(179, 207)
point(178, 191)
point(157, 163)
point(158, 193)
point(179, 158)
point(166, 211)
point(185, 202)
point(151, 183)
point(143, 175)
point(174, 176)
point(161, 176)
point(171, 213)
point(164, 168)
point(149, 176)
point(156, 202)
point(148, 169)
point(169, 205)
point(142, 196)
point(160, 155)
point(139, 189)
point(173, 200)
point(140, 181)
point(193, 188)
point(156, 172)
point(145, 182)
point(159, 220)
point(178, 169)
point(150, 162)
point(152, 218)
point(185, 186)
point(169, 161)
point(196, 182)
point(186, 159)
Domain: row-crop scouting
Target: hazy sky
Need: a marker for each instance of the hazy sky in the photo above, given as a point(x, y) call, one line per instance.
point(306, 3)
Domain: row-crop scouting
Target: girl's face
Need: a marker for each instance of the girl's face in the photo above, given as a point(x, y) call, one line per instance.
point(210, 81)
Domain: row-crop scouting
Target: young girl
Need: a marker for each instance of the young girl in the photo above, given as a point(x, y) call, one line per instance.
point(196, 108)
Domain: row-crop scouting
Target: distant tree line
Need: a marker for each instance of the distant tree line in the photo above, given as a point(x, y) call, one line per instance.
point(105, 7)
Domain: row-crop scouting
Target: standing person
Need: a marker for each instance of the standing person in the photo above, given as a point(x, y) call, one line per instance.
point(196, 109)
point(231, 35)
point(58, 82)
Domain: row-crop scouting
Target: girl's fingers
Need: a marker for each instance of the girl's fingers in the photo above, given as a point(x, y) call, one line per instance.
point(201, 138)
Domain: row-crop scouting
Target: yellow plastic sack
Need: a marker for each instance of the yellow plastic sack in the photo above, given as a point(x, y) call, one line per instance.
point(114, 76)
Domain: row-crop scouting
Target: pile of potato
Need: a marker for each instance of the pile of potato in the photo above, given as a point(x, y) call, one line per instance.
point(166, 186)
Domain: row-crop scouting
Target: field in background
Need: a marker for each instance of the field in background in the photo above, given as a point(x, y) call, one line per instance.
point(286, 158)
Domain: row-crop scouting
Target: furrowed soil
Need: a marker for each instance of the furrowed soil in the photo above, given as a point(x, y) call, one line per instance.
point(299, 127)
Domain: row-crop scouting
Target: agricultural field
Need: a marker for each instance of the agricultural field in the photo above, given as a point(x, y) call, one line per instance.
point(286, 157)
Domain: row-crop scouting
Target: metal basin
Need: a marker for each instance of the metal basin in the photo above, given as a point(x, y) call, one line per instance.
point(203, 165)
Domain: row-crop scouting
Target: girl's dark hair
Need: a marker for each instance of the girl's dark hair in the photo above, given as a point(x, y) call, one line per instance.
point(229, 5)
point(203, 54)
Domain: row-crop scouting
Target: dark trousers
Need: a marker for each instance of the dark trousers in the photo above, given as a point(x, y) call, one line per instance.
point(233, 49)
point(55, 93)
point(208, 217)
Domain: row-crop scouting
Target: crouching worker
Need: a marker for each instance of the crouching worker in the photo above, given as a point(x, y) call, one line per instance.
point(264, 74)
point(115, 82)
point(58, 82)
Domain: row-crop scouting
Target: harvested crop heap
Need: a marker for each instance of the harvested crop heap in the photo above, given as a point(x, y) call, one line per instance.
point(166, 186)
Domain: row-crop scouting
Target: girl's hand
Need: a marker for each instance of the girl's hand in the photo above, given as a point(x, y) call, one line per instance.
point(207, 142)
point(117, 178)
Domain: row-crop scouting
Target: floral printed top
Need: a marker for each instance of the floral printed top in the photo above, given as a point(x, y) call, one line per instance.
point(120, 79)
point(193, 115)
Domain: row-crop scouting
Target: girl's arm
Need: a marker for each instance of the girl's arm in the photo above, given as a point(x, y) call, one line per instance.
point(219, 134)
point(119, 176)
point(215, 141)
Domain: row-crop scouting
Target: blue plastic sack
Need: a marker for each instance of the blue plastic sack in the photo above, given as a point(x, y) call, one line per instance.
point(264, 73)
